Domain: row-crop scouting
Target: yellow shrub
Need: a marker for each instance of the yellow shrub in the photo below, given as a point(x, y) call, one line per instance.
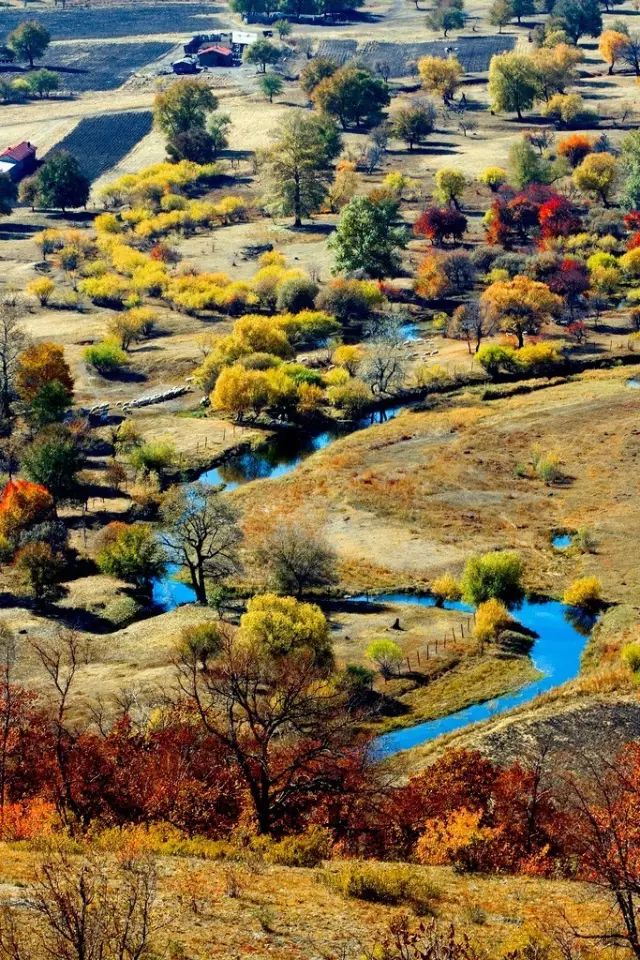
point(42, 288)
point(108, 223)
point(491, 617)
point(585, 592)
point(446, 587)
point(107, 290)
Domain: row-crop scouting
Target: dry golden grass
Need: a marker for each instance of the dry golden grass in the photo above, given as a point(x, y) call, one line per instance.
point(229, 910)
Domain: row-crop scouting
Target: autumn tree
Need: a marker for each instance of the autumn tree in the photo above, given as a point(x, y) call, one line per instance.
point(414, 122)
point(513, 83)
point(316, 70)
point(298, 164)
point(471, 322)
point(352, 95)
point(297, 557)
point(130, 552)
point(520, 306)
point(286, 732)
point(439, 224)
point(597, 176)
point(201, 535)
point(441, 76)
point(575, 147)
point(23, 505)
point(500, 13)
point(284, 626)
point(604, 802)
point(29, 40)
point(366, 238)
point(43, 382)
point(555, 68)
point(611, 46)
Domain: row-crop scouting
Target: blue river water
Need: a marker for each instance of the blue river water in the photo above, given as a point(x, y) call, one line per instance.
point(556, 652)
point(560, 639)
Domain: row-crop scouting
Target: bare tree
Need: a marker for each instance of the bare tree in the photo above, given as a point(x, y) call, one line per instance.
point(85, 910)
point(604, 805)
point(201, 535)
point(13, 340)
point(630, 53)
point(297, 557)
point(471, 323)
point(284, 727)
point(384, 366)
point(60, 659)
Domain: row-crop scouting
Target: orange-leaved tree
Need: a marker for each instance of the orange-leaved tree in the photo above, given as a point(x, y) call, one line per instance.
point(520, 306)
point(611, 46)
point(44, 383)
point(23, 504)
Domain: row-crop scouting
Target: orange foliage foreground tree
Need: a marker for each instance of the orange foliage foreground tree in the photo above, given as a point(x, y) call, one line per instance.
point(520, 306)
point(22, 505)
point(43, 381)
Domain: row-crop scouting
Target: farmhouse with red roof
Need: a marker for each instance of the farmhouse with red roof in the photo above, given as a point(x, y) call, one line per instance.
point(19, 160)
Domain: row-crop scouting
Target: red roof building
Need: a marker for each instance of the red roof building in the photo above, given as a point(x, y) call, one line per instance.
point(19, 160)
point(215, 55)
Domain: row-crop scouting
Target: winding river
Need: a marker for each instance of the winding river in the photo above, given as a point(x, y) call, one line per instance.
point(556, 651)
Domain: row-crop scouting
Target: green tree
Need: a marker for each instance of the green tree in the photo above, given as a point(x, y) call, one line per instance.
point(40, 569)
point(283, 28)
point(413, 122)
point(526, 165)
point(513, 83)
point(263, 53)
point(43, 82)
point(387, 656)
point(52, 459)
point(201, 641)
point(450, 184)
point(196, 145)
point(630, 170)
point(298, 164)
point(496, 575)
point(500, 13)
point(352, 95)
point(578, 18)
point(271, 85)
point(131, 552)
point(218, 129)
point(29, 40)
point(183, 106)
point(8, 194)
point(522, 8)
point(447, 15)
point(366, 239)
point(201, 534)
point(61, 184)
